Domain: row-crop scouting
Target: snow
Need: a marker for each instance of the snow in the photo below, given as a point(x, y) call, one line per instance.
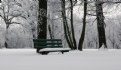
point(54, 49)
point(28, 59)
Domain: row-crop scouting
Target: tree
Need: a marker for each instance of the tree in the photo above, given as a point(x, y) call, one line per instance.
point(71, 21)
point(42, 17)
point(8, 12)
point(81, 40)
point(65, 25)
point(69, 35)
point(19, 14)
point(100, 24)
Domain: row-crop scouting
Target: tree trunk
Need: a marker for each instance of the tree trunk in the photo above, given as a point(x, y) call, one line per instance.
point(7, 26)
point(81, 40)
point(100, 25)
point(42, 23)
point(72, 26)
point(50, 32)
point(65, 25)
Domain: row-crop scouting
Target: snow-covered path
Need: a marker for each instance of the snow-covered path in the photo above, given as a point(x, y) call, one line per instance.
point(28, 59)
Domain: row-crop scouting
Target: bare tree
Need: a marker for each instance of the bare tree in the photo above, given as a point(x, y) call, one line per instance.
point(100, 24)
point(67, 32)
point(71, 20)
point(8, 13)
point(81, 40)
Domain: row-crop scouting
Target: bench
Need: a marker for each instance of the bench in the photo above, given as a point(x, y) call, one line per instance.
point(43, 46)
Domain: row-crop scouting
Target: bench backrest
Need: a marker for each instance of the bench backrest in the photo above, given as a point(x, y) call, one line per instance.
point(47, 43)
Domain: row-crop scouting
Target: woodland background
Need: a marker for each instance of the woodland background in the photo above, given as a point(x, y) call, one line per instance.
point(21, 21)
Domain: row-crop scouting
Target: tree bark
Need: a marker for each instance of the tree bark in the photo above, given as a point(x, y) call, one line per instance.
point(42, 23)
point(50, 32)
point(81, 40)
point(100, 25)
point(72, 26)
point(65, 25)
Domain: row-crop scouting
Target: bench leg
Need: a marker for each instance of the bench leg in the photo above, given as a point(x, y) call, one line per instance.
point(62, 52)
point(37, 50)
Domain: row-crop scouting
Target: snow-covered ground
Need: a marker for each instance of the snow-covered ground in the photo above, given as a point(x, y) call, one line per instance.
point(28, 59)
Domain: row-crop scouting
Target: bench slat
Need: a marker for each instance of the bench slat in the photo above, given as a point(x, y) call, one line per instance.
point(41, 44)
point(46, 40)
point(48, 46)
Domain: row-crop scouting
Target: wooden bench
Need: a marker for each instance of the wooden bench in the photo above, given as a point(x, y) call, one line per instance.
point(43, 46)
